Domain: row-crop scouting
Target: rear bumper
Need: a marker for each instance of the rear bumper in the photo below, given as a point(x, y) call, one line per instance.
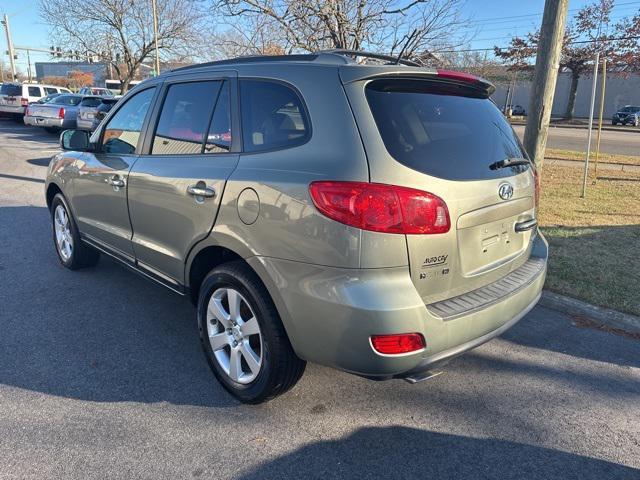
point(330, 314)
point(82, 124)
point(44, 121)
point(12, 110)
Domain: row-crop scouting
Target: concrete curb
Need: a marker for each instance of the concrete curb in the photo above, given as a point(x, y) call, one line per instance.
point(597, 317)
point(621, 167)
point(610, 128)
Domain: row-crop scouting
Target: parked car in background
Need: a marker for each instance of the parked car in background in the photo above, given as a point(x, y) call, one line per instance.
point(99, 91)
point(15, 97)
point(374, 218)
point(629, 114)
point(102, 110)
point(59, 114)
point(86, 112)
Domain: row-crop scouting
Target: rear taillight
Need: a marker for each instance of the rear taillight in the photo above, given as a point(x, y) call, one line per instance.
point(381, 208)
point(61, 113)
point(24, 102)
point(397, 344)
point(460, 76)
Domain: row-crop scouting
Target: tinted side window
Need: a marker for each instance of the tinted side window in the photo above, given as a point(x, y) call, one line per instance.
point(35, 92)
point(219, 137)
point(50, 90)
point(184, 118)
point(123, 130)
point(272, 116)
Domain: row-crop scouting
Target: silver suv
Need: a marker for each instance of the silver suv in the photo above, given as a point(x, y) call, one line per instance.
point(379, 219)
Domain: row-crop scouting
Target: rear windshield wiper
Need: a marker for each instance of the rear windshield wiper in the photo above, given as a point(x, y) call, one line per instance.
point(509, 162)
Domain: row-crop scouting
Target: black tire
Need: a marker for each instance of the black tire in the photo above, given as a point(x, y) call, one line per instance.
point(82, 255)
point(614, 123)
point(281, 368)
point(51, 129)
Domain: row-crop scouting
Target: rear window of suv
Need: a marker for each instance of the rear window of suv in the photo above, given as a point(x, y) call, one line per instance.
point(90, 102)
point(442, 129)
point(11, 90)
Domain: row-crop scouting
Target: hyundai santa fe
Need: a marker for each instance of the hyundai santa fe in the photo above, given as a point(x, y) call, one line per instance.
point(376, 218)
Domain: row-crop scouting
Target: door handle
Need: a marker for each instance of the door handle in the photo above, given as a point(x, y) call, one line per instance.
point(201, 190)
point(116, 181)
point(526, 225)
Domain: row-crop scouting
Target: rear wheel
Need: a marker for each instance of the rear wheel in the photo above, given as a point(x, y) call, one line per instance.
point(72, 253)
point(51, 129)
point(243, 337)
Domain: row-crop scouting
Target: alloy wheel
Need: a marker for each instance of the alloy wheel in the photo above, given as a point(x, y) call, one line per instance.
point(234, 335)
point(64, 239)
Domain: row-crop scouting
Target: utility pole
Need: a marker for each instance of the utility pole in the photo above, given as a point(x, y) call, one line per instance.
point(544, 78)
point(29, 65)
point(155, 35)
point(7, 31)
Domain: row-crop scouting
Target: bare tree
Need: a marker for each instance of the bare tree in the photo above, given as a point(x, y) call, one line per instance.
point(120, 31)
point(627, 52)
point(382, 25)
point(586, 33)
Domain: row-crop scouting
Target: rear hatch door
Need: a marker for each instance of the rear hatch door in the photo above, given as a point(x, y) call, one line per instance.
point(445, 136)
point(10, 94)
point(88, 107)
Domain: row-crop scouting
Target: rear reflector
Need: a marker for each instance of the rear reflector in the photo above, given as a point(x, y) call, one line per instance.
point(381, 208)
point(400, 343)
point(460, 76)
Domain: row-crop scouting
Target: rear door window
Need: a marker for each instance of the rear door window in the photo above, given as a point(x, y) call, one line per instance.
point(185, 117)
point(35, 92)
point(50, 90)
point(443, 130)
point(273, 116)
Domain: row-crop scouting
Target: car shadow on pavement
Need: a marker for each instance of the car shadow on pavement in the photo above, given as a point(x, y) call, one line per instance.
point(40, 162)
point(561, 336)
point(101, 334)
point(400, 452)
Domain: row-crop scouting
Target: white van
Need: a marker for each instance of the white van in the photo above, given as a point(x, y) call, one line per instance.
point(15, 97)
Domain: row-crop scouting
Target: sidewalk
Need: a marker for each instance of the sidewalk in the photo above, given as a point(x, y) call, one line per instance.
point(621, 167)
point(579, 124)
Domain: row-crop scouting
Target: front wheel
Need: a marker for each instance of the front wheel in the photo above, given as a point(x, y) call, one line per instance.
point(72, 253)
point(243, 337)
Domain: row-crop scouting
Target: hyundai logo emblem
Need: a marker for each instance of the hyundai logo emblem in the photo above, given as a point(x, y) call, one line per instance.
point(505, 190)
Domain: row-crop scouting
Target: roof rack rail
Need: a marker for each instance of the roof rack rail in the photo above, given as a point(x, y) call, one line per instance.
point(305, 57)
point(377, 56)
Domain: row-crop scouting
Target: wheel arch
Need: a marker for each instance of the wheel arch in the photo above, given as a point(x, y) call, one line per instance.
point(210, 253)
point(52, 190)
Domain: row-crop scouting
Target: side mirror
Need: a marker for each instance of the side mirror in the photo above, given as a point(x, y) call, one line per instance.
point(77, 140)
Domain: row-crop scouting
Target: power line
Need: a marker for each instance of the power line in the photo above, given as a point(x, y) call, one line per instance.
point(635, 37)
point(508, 18)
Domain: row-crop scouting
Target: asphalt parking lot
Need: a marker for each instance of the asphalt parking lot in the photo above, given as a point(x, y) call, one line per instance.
point(102, 376)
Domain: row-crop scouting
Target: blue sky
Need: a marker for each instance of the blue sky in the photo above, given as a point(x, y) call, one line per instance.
point(489, 25)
